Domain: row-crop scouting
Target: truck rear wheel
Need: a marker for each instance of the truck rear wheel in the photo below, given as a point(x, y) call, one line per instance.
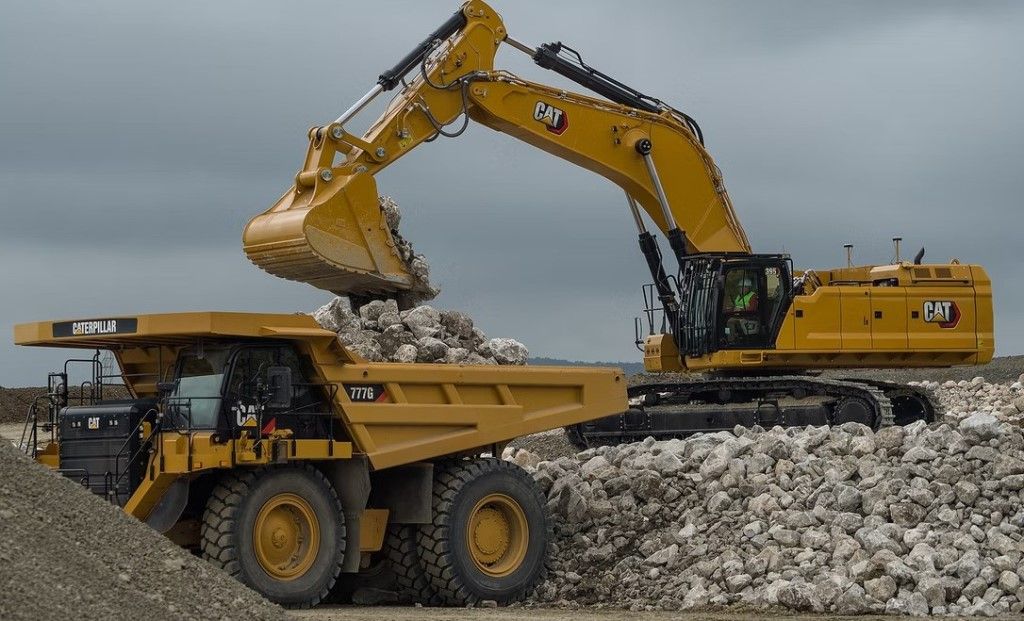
point(489, 536)
point(279, 530)
point(403, 559)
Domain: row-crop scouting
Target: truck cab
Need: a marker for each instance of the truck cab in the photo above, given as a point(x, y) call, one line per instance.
point(266, 385)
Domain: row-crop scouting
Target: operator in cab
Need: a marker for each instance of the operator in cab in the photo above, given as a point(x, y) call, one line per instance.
point(741, 307)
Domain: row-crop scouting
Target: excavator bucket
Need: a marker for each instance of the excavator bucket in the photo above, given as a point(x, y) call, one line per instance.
point(332, 235)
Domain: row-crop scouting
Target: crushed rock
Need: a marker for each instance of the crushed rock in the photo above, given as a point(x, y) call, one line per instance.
point(380, 332)
point(65, 553)
point(404, 329)
point(913, 520)
point(423, 290)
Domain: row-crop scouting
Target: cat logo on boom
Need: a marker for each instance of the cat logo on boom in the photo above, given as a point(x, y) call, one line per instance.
point(945, 313)
point(556, 120)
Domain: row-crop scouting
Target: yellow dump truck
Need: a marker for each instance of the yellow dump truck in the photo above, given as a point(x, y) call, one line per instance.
point(262, 443)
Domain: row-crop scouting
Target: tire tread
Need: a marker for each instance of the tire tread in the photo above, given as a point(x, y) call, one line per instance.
point(217, 539)
point(435, 549)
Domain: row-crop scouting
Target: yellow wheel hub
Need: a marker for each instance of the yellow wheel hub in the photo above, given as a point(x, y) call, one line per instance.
point(286, 536)
point(498, 535)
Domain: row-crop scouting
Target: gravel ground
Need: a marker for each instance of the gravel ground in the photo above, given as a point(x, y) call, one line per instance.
point(65, 553)
point(350, 613)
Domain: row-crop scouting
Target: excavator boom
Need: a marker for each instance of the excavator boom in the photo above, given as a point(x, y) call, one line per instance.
point(327, 229)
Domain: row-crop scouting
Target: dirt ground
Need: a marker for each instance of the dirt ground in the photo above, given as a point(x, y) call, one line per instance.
point(10, 431)
point(353, 613)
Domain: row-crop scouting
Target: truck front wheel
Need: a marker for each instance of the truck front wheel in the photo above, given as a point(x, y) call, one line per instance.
point(490, 533)
point(279, 530)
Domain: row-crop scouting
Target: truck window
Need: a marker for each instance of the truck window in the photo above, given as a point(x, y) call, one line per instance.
point(196, 399)
point(309, 411)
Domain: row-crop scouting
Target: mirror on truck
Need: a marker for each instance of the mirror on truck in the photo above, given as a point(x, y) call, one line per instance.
point(279, 385)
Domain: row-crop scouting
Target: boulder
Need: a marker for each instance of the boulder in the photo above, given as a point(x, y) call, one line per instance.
point(506, 351)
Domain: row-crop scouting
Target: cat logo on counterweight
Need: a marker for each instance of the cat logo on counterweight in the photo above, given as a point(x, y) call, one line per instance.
point(945, 313)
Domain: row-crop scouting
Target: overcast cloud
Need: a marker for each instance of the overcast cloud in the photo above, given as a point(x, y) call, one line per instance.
point(138, 138)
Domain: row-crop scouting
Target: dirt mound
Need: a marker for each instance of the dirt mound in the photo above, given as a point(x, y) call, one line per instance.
point(15, 402)
point(67, 554)
point(546, 445)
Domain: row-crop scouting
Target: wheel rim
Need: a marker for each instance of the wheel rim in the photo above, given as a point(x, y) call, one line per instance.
point(498, 535)
point(287, 536)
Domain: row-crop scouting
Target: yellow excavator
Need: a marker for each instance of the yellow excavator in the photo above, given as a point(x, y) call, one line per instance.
point(748, 331)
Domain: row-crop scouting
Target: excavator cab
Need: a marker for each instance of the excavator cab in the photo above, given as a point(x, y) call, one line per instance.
point(732, 301)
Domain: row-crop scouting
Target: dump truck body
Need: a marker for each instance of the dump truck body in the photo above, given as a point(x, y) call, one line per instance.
point(220, 398)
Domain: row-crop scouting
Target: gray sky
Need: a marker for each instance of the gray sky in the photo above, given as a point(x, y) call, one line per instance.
point(138, 138)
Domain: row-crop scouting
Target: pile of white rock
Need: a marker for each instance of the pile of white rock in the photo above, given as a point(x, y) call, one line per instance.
point(380, 332)
point(964, 398)
point(909, 520)
point(423, 289)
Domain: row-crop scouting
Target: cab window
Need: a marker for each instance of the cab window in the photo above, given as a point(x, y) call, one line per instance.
point(196, 399)
point(741, 305)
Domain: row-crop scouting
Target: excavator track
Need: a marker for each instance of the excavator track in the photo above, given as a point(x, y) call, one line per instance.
point(910, 403)
point(667, 410)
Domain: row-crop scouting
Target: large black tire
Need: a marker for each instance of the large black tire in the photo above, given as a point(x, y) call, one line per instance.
point(403, 558)
point(454, 572)
point(230, 518)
